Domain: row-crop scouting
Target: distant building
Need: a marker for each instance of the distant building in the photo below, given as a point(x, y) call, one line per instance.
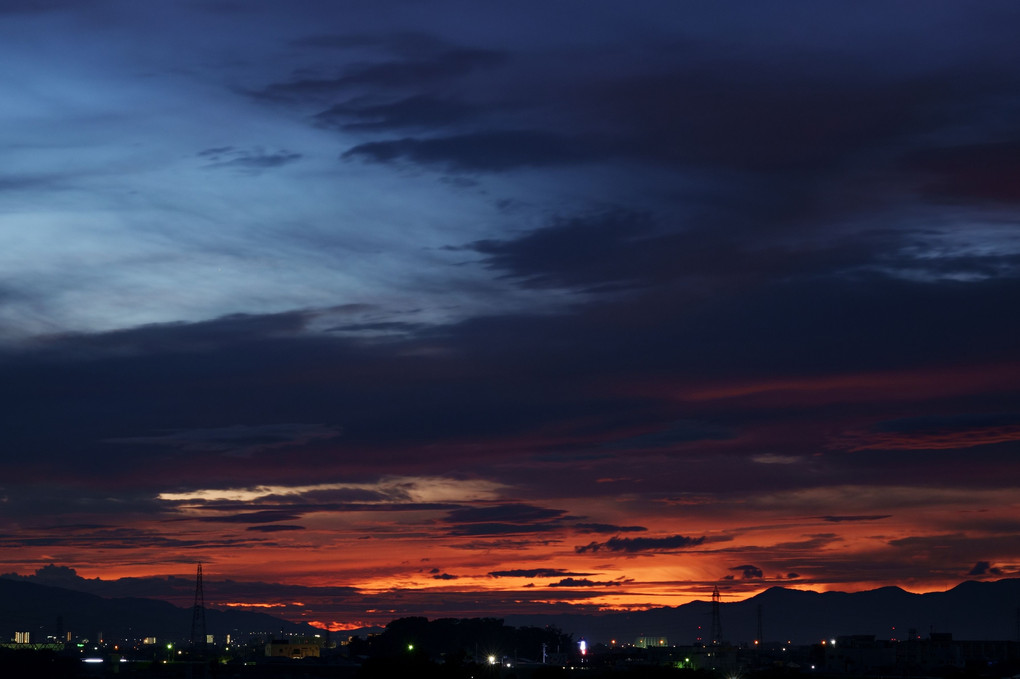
point(863, 653)
point(651, 642)
point(283, 648)
point(22, 637)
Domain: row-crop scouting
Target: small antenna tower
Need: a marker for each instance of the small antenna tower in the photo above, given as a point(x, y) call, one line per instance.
point(716, 620)
point(198, 615)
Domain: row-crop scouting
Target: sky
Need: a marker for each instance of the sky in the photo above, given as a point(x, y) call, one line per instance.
point(455, 308)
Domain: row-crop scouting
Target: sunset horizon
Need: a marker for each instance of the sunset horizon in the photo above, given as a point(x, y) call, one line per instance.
point(280, 598)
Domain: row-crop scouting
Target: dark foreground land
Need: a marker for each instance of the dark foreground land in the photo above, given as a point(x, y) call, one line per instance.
point(486, 648)
point(31, 664)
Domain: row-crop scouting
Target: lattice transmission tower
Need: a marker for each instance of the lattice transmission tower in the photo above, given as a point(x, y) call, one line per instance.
point(716, 618)
point(198, 634)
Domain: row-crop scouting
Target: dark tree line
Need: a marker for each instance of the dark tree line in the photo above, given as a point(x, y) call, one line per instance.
point(461, 641)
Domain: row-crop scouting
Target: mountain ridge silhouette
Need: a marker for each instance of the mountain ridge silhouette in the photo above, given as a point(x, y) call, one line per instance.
point(987, 610)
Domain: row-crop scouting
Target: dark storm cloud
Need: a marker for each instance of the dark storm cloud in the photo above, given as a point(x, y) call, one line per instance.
point(120, 539)
point(984, 568)
point(534, 573)
point(820, 321)
point(238, 439)
point(444, 576)
point(61, 507)
point(178, 354)
point(252, 161)
point(216, 152)
point(738, 113)
point(380, 393)
point(169, 338)
point(611, 248)
point(477, 529)
point(516, 513)
point(277, 528)
point(582, 582)
point(489, 151)
point(625, 249)
point(264, 516)
point(431, 65)
point(920, 322)
point(749, 572)
point(503, 544)
point(769, 121)
point(606, 528)
point(419, 111)
point(382, 327)
point(745, 114)
point(637, 545)
point(509, 519)
point(813, 543)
